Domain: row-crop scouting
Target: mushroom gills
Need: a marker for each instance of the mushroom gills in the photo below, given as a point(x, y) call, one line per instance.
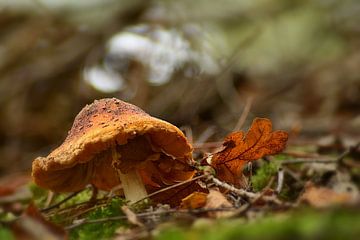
point(131, 182)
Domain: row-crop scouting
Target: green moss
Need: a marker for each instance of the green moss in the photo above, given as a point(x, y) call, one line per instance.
point(83, 196)
point(263, 175)
point(39, 195)
point(87, 231)
point(7, 216)
point(100, 230)
point(5, 234)
point(304, 224)
point(281, 157)
point(173, 233)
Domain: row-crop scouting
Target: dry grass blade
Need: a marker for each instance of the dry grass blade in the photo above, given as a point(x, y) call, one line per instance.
point(170, 187)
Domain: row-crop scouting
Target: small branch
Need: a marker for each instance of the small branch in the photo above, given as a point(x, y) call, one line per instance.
point(170, 187)
point(148, 214)
point(280, 180)
point(243, 193)
point(49, 198)
point(98, 203)
point(340, 158)
point(307, 160)
point(347, 152)
point(295, 176)
point(245, 113)
point(250, 167)
point(207, 145)
point(94, 193)
point(114, 189)
point(240, 192)
point(150, 195)
point(56, 205)
point(300, 154)
point(205, 135)
point(188, 133)
point(77, 214)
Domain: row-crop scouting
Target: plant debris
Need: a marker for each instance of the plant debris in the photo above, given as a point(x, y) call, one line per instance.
point(277, 183)
point(239, 149)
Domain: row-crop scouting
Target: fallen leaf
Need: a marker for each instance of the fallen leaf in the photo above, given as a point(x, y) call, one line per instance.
point(216, 199)
point(174, 196)
point(240, 149)
point(323, 197)
point(9, 184)
point(32, 225)
point(194, 200)
point(13, 188)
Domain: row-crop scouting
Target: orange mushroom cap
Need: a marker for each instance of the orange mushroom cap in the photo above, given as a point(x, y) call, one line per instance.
point(158, 149)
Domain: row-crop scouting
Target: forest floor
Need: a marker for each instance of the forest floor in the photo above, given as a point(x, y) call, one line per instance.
point(309, 191)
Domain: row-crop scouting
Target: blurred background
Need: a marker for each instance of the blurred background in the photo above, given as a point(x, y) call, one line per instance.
point(198, 64)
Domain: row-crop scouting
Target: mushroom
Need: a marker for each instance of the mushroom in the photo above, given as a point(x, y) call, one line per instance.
point(113, 142)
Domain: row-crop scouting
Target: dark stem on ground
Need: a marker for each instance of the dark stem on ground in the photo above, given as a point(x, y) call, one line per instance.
point(56, 205)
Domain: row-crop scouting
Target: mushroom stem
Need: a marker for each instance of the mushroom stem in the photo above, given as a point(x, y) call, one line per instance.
point(133, 186)
point(131, 182)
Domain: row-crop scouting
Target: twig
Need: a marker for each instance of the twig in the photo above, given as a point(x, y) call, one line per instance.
point(242, 209)
point(307, 160)
point(83, 212)
point(240, 192)
point(347, 152)
point(301, 154)
point(56, 205)
point(99, 202)
point(292, 174)
point(207, 145)
point(263, 192)
point(188, 133)
point(170, 187)
point(94, 193)
point(114, 189)
point(147, 214)
point(245, 113)
point(49, 199)
point(205, 135)
point(150, 195)
point(280, 180)
point(243, 193)
point(250, 167)
point(340, 158)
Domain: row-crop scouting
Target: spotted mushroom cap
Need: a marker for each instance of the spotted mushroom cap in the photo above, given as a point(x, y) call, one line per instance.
point(85, 155)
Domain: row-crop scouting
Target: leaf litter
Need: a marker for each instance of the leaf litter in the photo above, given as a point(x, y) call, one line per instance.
point(278, 184)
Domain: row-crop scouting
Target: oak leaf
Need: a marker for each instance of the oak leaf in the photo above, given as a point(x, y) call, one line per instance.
point(194, 200)
point(240, 149)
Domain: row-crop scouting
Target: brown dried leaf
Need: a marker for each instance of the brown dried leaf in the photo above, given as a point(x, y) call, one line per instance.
point(216, 199)
point(13, 188)
point(240, 149)
point(174, 196)
point(194, 200)
point(10, 184)
point(323, 197)
point(32, 225)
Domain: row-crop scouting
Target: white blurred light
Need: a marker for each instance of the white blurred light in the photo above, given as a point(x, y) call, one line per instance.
point(104, 80)
point(162, 50)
